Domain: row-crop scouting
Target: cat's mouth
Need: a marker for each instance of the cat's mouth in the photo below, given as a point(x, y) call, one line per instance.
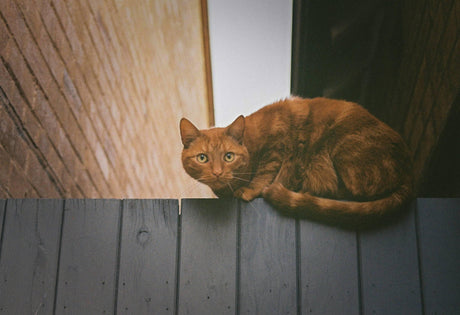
point(216, 182)
point(219, 183)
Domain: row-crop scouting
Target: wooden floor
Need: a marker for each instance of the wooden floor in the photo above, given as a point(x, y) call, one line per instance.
point(222, 257)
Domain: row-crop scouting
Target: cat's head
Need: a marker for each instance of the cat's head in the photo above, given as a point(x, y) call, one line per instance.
point(216, 157)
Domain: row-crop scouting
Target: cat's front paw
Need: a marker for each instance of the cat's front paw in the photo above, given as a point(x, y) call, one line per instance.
point(276, 194)
point(247, 194)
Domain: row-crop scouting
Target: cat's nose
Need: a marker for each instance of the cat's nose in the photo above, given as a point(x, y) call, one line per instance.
point(217, 172)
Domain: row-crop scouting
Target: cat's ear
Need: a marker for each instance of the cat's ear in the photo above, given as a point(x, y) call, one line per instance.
point(236, 129)
point(188, 132)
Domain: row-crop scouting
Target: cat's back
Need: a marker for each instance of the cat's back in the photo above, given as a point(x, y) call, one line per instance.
point(341, 115)
point(315, 116)
point(285, 111)
point(322, 108)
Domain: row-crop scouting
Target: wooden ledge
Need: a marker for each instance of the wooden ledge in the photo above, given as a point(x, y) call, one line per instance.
point(222, 257)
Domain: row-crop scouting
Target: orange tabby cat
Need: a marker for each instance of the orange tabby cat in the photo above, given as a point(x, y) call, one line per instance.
point(313, 157)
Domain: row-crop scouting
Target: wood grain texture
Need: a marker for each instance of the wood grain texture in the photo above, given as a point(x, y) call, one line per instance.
point(148, 257)
point(207, 59)
point(29, 257)
point(2, 217)
point(268, 272)
point(87, 269)
point(329, 280)
point(208, 257)
point(390, 280)
point(222, 257)
point(439, 237)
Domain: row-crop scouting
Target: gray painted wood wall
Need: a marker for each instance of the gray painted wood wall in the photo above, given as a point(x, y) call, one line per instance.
point(222, 257)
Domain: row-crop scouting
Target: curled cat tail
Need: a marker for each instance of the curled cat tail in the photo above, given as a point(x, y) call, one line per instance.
point(347, 213)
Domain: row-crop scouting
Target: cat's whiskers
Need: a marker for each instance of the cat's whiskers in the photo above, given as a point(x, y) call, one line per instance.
point(230, 186)
point(250, 203)
point(207, 179)
point(242, 179)
point(243, 173)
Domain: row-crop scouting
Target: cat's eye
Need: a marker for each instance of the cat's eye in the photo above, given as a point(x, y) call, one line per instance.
point(202, 158)
point(229, 157)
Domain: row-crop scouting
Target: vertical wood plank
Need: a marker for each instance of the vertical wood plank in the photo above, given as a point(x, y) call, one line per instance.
point(389, 268)
point(268, 272)
point(88, 257)
point(29, 257)
point(208, 256)
point(329, 270)
point(147, 279)
point(439, 243)
point(2, 216)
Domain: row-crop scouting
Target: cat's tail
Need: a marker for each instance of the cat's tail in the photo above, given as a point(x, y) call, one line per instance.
point(305, 205)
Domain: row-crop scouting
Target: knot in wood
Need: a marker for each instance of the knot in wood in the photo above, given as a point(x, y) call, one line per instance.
point(143, 236)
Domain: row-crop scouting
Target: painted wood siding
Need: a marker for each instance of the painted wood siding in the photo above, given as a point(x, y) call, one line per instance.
point(222, 257)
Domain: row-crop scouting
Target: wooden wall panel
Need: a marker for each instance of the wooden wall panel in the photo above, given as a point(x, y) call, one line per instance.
point(390, 280)
point(268, 261)
point(222, 257)
point(147, 265)
point(34, 227)
point(208, 239)
point(88, 257)
point(439, 250)
point(329, 276)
